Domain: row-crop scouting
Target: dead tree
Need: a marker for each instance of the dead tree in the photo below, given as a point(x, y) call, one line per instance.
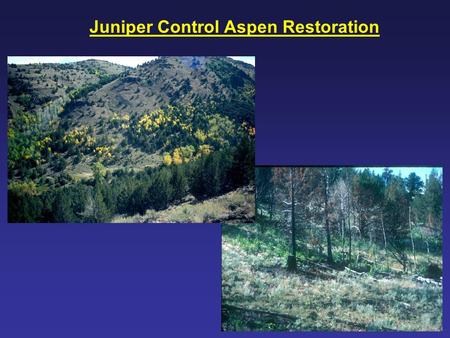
point(327, 221)
point(292, 259)
point(411, 234)
point(384, 230)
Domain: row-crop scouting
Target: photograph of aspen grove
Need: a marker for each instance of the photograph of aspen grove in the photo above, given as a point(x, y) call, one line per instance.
point(337, 249)
point(131, 139)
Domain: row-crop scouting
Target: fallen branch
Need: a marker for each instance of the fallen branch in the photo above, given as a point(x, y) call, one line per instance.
point(354, 272)
point(323, 266)
point(260, 312)
point(424, 280)
point(320, 265)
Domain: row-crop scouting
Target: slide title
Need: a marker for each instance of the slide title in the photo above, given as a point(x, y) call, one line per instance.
point(232, 29)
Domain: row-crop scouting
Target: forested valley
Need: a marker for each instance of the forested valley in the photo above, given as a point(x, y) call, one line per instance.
point(337, 249)
point(92, 141)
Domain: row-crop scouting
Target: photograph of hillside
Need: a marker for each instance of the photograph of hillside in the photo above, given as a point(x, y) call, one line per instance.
point(170, 139)
point(337, 249)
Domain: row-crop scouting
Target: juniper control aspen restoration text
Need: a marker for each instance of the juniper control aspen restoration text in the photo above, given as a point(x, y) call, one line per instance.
point(230, 28)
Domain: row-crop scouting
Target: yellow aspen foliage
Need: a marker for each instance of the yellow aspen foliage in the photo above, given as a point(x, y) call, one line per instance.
point(200, 135)
point(177, 157)
point(103, 151)
point(90, 141)
point(248, 128)
point(205, 149)
point(167, 159)
point(152, 121)
point(79, 136)
point(43, 144)
point(120, 121)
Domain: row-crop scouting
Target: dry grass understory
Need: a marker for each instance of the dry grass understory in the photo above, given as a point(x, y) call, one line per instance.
point(258, 293)
point(235, 206)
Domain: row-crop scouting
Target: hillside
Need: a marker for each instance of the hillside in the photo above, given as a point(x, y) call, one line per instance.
point(237, 206)
point(66, 120)
point(34, 86)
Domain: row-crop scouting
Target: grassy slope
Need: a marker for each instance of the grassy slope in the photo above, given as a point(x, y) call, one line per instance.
point(52, 81)
point(238, 206)
point(259, 295)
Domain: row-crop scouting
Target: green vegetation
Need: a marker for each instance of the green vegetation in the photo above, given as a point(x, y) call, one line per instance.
point(363, 252)
point(121, 141)
point(127, 191)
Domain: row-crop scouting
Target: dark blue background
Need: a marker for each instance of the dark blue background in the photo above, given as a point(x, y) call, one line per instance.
point(363, 102)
